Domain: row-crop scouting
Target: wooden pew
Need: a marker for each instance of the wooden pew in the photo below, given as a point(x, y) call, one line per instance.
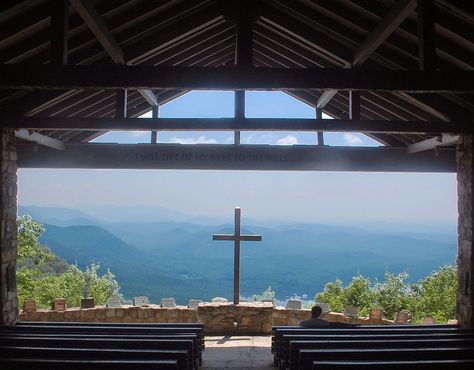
point(277, 342)
point(55, 364)
point(291, 361)
point(287, 339)
point(180, 356)
point(395, 365)
point(308, 356)
point(131, 331)
point(103, 343)
point(120, 330)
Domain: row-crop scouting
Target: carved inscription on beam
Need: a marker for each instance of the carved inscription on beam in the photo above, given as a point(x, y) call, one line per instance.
point(236, 157)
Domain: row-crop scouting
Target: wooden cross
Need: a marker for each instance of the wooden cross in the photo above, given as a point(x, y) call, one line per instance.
point(237, 238)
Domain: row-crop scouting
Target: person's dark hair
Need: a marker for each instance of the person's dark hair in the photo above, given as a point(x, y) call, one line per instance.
point(316, 311)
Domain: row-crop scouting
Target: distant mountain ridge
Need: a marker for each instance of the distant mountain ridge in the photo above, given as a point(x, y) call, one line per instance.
point(180, 259)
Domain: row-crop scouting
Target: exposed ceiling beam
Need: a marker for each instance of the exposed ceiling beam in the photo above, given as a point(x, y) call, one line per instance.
point(40, 139)
point(325, 98)
point(434, 142)
point(14, 76)
point(238, 124)
point(399, 12)
point(237, 157)
point(100, 30)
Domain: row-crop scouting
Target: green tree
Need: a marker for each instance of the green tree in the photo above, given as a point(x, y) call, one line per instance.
point(267, 294)
point(359, 293)
point(393, 295)
point(333, 295)
point(435, 295)
point(39, 277)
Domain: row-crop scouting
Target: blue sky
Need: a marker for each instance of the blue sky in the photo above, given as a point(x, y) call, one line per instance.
point(299, 196)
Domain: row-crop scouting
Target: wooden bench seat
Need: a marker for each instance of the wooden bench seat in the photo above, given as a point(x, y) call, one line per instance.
point(111, 343)
point(395, 365)
point(295, 346)
point(180, 356)
point(308, 356)
point(62, 364)
point(280, 339)
point(113, 330)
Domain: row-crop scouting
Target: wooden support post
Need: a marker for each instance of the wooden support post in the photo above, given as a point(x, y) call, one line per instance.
point(154, 114)
point(243, 55)
point(319, 115)
point(354, 105)
point(426, 35)
point(121, 103)
point(244, 42)
point(59, 32)
point(239, 111)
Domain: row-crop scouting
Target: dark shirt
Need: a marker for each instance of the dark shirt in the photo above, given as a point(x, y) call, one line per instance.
point(320, 323)
point(315, 323)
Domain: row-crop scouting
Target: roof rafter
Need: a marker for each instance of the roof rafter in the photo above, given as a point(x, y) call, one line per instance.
point(98, 27)
point(397, 14)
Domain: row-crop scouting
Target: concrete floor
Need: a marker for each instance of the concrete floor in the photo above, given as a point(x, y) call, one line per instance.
point(232, 352)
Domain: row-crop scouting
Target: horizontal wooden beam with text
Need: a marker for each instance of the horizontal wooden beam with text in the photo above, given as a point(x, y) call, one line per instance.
point(237, 124)
point(236, 157)
point(14, 76)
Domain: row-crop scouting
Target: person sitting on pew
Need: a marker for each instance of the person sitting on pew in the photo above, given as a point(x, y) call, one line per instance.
point(317, 322)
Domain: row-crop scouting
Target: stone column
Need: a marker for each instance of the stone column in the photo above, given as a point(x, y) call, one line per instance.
point(465, 259)
point(8, 228)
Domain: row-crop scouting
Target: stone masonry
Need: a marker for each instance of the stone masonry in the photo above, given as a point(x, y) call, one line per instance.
point(465, 259)
point(8, 229)
point(254, 318)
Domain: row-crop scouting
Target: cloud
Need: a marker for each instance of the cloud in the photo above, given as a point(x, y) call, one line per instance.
point(287, 140)
point(139, 134)
point(351, 139)
point(193, 140)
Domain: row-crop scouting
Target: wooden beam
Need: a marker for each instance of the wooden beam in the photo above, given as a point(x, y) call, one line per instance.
point(426, 35)
point(397, 14)
point(59, 32)
point(121, 104)
point(14, 76)
point(96, 24)
point(319, 115)
point(40, 139)
point(238, 124)
point(325, 98)
point(354, 105)
point(244, 42)
point(239, 111)
point(100, 30)
point(236, 157)
point(434, 142)
point(149, 96)
point(154, 114)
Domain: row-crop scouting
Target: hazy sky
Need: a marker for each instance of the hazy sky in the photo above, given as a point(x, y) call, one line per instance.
point(308, 196)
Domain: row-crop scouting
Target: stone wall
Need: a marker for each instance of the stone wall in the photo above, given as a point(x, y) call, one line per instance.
point(218, 318)
point(8, 229)
point(465, 259)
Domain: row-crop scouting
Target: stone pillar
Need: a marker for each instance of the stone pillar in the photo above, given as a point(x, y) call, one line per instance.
point(465, 259)
point(8, 228)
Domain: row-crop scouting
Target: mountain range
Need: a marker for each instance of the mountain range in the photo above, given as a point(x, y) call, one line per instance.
point(165, 253)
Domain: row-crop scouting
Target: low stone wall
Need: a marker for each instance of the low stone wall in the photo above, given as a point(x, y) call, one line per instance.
point(218, 318)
